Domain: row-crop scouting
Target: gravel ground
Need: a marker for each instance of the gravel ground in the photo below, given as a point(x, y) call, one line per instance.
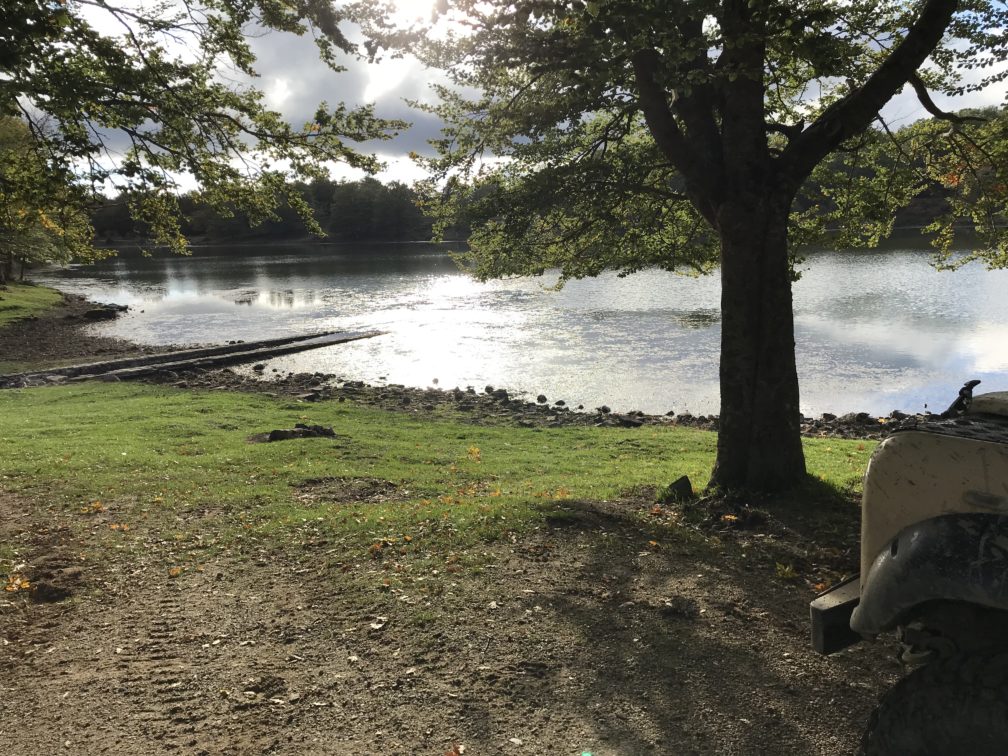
point(584, 636)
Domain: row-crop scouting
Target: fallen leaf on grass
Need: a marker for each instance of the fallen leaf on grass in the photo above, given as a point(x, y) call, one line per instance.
point(456, 750)
point(174, 572)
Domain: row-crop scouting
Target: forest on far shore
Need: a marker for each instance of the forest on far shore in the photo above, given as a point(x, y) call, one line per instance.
point(365, 210)
point(355, 211)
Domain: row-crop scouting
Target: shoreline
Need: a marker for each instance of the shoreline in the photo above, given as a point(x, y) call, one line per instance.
point(57, 337)
point(498, 406)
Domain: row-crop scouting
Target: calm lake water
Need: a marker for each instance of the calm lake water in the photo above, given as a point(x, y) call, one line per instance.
point(875, 330)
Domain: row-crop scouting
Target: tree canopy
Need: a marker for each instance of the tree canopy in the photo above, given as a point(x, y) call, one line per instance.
point(40, 213)
point(123, 97)
point(701, 134)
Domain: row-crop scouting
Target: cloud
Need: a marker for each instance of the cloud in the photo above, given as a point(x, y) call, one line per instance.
point(905, 108)
point(295, 80)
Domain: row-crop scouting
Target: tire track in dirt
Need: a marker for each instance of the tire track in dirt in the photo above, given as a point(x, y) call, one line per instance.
point(160, 680)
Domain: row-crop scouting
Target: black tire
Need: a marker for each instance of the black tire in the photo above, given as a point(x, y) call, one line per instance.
point(951, 707)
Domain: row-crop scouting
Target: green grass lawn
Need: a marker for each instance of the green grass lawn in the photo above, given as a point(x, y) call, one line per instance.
point(22, 300)
point(177, 464)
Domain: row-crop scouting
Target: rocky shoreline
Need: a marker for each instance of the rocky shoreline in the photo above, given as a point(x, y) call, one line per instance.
point(492, 405)
point(59, 336)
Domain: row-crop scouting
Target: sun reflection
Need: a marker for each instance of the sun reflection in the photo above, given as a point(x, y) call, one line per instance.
point(454, 287)
point(986, 348)
point(893, 335)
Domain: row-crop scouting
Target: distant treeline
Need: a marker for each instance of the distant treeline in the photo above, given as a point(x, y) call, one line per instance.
point(365, 210)
point(370, 211)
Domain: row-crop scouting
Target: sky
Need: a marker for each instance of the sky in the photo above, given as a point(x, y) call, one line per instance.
point(294, 81)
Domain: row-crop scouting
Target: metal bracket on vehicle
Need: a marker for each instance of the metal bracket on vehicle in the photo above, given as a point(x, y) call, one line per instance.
point(831, 612)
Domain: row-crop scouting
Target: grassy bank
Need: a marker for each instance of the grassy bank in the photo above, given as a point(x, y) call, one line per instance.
point(176, 464)
point(18, 301)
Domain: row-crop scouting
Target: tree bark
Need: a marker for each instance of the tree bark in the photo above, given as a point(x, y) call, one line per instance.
point(759, 442)
point(745, 193)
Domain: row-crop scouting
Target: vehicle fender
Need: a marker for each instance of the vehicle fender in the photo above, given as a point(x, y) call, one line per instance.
point(958, 557)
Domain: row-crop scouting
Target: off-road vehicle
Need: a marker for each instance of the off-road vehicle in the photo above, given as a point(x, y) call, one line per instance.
point(934, 570)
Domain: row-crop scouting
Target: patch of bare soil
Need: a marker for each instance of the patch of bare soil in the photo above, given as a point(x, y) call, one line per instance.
point(591, 634)
point(355, 490)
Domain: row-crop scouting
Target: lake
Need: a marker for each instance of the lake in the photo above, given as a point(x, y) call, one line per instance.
point(875, 331)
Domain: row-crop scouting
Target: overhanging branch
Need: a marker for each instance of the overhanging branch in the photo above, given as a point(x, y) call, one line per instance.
point(929, 104)
point(855, 112)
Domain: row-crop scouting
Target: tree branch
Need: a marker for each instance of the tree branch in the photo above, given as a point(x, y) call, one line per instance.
point(695, 106)
point(855, 112)
point(929, 105)
point(667, 135)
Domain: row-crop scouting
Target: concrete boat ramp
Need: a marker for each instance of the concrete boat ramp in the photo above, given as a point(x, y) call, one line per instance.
point(186, 359)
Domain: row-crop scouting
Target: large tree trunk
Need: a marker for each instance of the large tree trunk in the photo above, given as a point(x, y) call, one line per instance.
point(759, 441)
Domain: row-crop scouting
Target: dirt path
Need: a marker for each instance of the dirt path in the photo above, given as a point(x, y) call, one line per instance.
point(584, 637)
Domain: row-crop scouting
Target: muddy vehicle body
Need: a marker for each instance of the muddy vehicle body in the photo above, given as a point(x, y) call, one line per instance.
point(934, 571)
